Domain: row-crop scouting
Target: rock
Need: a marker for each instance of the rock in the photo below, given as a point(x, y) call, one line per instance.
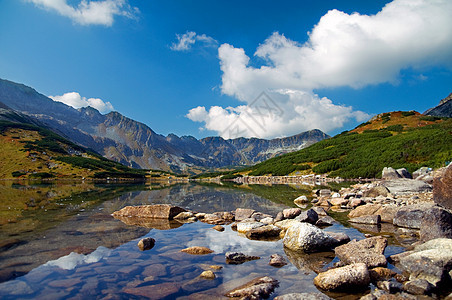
point(348, 278)
point(419, 287)
point(389, 173)
point(442, 183)
point(376, 191)
point(436, 223)
point(277, 260)
point(243, 213)
point(404, 186)
point(431, 261)
point(309, 216)
point(303, 296)
point(391, 287)
point(225, 215)
point(200, 215)
point(380, 274)
point(372, 220)
point(309, 262)
point(404, 173)
point(308, 238)
point(422, 171)
point(263, 232)
point(244, 227)
point(184, 215)
point(258, 288)
point(158, 291)
point(324, 193)
point(286, 224)
point(325, 221)
point(323, 202)
point(196, 250)
point(207, 275)
point(364, 210)
point(236, 258)
point(279, 217)
point(368, 251)
point(258, 216)
point(301, 200)
point(355, 202)
point(290, 213)
point(338, 201)
point(146, 244)
point(426, 178)
point(340, 237)
point(214, 219)
point(218, 228)
point(411, 216)
point(267, 221)
point(319, 210)
point(158, 211)
point(387, 213)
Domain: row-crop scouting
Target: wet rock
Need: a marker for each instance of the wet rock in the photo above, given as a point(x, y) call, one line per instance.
point(236, 258)
point(325, 221)
point(309, 216)
point(372, 220)
point(158, 211)
point(196, 250)
point(184, 215)
point(419, 287)
point(207, 275)
point(411, 216)
point(442, 191)
point(263, 232)
point(225, 215)
point(389, 173)
point(348, 278)
point(308, 238)
point(218, 228)
point(303, 296)
point(146, 244)
point(368, 251)
point(277, 260)
point(436, 223)
point(291, 213)
point(243, 213)
point(258, 288)
point(200, 215)
point(244, 227)
point(158, 291)
point(380, 274)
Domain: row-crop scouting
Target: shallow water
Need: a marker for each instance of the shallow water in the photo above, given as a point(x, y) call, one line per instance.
point(58, 241)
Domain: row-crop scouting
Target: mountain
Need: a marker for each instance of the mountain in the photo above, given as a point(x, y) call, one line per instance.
point(443, 109)
point(396, 139)
point(136, 145)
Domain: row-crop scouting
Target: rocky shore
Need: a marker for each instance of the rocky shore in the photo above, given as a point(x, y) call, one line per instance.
point(418, 208)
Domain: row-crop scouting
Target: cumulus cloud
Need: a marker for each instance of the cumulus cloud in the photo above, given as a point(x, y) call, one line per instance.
point(76, 101)
point(187, 40)
point(89, 12)
point(342, 50)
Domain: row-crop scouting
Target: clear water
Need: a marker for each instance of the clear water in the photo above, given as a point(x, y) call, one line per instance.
point(58, 241)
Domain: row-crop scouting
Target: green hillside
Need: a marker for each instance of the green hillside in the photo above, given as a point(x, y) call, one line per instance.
point(397, 139)
point(29, 151)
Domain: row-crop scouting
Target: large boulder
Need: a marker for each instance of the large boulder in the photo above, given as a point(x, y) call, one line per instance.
point(376, 191)
point(404, 173)
point(364, 210)
point(442, 187)
point(309, 216)
point(308, 238)
point(386, 212)
point(422, 172)
point(411, 216)
point(389, 173)
point(431, 261)
point(348, 278)
point(258, 288)
point(157, 211)
point(437, 223)
point(405, 186)
point(368, 251)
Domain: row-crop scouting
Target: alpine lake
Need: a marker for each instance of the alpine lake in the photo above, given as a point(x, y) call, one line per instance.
point(58, 240)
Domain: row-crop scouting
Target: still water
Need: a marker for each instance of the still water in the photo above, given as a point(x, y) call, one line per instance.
point(59, 241)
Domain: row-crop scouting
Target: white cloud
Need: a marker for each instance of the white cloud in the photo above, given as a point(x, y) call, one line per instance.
point(187, 40)
point(90, 12)
point(342, 50)
point(76, 101)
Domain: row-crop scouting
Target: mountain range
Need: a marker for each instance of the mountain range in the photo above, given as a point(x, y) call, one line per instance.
point(136, 145)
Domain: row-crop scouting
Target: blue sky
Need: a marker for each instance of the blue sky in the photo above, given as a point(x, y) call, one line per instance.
point(198, 67)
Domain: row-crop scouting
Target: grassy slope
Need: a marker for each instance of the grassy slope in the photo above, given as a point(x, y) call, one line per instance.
point(34, 152)
point(397, 139)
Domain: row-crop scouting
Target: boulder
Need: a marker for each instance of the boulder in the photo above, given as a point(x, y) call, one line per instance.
point(308, 238)
point(290, 213)
point(372, 220)
point(364, 210)
point(243, 213)
point(338, 201)
point(267, 220)
point(390, 286)
point(431, 261)
point(340, 237)
point(368, 251)
point(303, 296)
point(387, 212)
point(309, 216)
point(146, 244)
point(286, 224)
point(405, 186)
point(207, 275)
point(301, 200)
point(436, 223)
point(244, 227)
point(214, 219)
point(158, 211)
point(236, 258)
point(411, 216)
point(324, 193)
point(279, 217)
point(325, 221)
point(389, 173)
point(263, 232)
point(277, 260)
point(376, 191)
point(421, 172)
point(419, 287)
point(404, 173)
point(319, 210)
point(348, 278)
point(380, 273)
point(184, 215)
point(196, 250)
point(442, 183)
point(355, 202)
point(258, 288)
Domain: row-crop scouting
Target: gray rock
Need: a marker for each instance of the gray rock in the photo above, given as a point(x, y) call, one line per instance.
point(325, 221)
point(404, 173)
point(419, 287)
point(389, 173)
point(376, 191)
point(340, 237)
point(146, 244)
point(264, 232)
point(244, 227)
point(405, 186)
point(391, 287)
point(236, 258)
point(320, 211)
point(372, 220)
point(324, 193)
point(303, 296)
point(309, 216)
point(279, 217)
point(411, 216)
point(368, 251)
point(277, 260)
point(243, 213)
point(290, 213)
point(158, 211)
point(422, 171)
point(347, 278)
point(308, 238)
point(437, 223)
point(442, 183)
point(258, 288)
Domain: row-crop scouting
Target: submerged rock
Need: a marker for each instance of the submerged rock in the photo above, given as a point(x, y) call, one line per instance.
point(348, 278)
point(368, 251)
point(236, 258)
point(277, 260)
point(258, 288)
point(196, 250)
point(207, 274)
point(158, 211)
point(308, 238)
